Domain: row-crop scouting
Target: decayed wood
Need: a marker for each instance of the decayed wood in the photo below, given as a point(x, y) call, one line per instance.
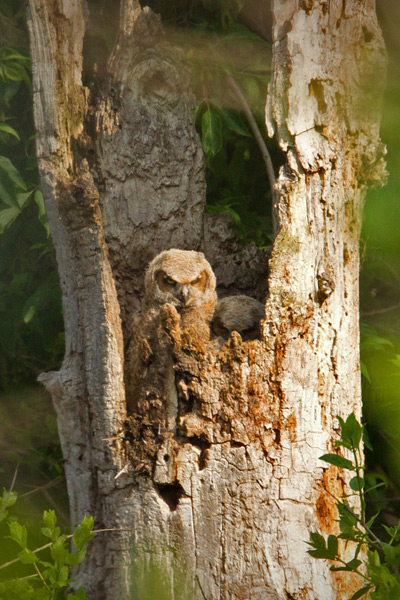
point(234, 484)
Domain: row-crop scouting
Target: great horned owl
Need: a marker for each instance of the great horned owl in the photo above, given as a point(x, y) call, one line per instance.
point(184, 279)
point(179, 303)
point(238, 313)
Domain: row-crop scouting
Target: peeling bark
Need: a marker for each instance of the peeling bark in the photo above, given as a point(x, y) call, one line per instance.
point(215, 500)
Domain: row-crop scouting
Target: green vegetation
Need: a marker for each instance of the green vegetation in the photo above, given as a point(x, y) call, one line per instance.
point(45, 571)
point(31, 337)
point(375, 560)
point(230, 62)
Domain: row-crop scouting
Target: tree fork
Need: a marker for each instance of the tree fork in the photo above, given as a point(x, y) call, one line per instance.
point(237, 483)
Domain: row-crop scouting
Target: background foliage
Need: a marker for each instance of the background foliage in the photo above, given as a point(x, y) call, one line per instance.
point(221, 39)
point(31, 336)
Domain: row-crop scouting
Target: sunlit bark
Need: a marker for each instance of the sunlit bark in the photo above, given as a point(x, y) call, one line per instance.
point(235, 484)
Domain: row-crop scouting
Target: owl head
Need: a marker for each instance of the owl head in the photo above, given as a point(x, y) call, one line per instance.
point(238, 313)
point(183, 278)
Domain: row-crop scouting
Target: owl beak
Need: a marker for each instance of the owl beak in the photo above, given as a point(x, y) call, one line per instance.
point(184, 293)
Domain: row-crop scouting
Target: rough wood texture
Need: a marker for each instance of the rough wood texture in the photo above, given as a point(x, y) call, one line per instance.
point(150, 166)
point(235, 483)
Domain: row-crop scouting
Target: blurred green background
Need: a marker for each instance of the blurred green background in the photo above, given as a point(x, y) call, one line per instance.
point(380, 285)
point(219, 39)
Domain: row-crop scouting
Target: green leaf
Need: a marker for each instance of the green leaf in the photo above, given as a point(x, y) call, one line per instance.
point(371, 521)
point(7, 129)
point(320, 548)
point(263, 69)
point(211, 132)
point(366, 440)
point(252, 89)
point(357, 483)
point(83, 532)
point(364, 371)
point(373, 558)
point(40, 202)
point(347, 522)
point(234, 122)
point(50, 533)
point(18, 533)
point(235, 216)
point(16, 55)
point(352, 431)
point(77, 557)
point(27, 557)
point(353, 564)
point(361, 592)
point(332, 544)
point(317, 540)
point(7, 217)
point(7, 499)
point(28, 316)
point(321, 554)
point(38, 197)
point(58, 551)
point(392, 553)
point(8, 169)
point(79, 595)
point(370, 340)
point(11, 182)
point(338, 461)
point(15, 72)
point(23, 198)
point(50, 519)
point(63, 575)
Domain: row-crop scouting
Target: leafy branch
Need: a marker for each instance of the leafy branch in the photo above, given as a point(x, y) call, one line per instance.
point(51, 576)
point(380, 568)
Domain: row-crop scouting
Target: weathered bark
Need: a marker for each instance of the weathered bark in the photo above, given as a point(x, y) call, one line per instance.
point(235, 484)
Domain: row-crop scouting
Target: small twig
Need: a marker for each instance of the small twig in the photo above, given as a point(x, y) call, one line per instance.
point(38, 571)
point(357, 518)
point(256, 132)
point(45, 486)
point(10, 490)
point(367, 529)
point(364, 525)
point(380, 311)
point(122, 471)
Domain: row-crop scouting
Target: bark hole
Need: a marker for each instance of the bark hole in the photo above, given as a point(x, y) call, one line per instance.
point(170, 493)
point(277, 433)
point(368, 35)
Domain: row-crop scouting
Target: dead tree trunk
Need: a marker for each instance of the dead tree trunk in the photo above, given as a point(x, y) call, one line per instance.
point(218, 505)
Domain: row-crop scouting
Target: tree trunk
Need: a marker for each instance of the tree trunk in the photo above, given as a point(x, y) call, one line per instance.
point(219, 503)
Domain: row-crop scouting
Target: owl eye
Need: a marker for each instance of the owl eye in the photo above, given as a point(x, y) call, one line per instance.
point(168, 280)
point(200, 281)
